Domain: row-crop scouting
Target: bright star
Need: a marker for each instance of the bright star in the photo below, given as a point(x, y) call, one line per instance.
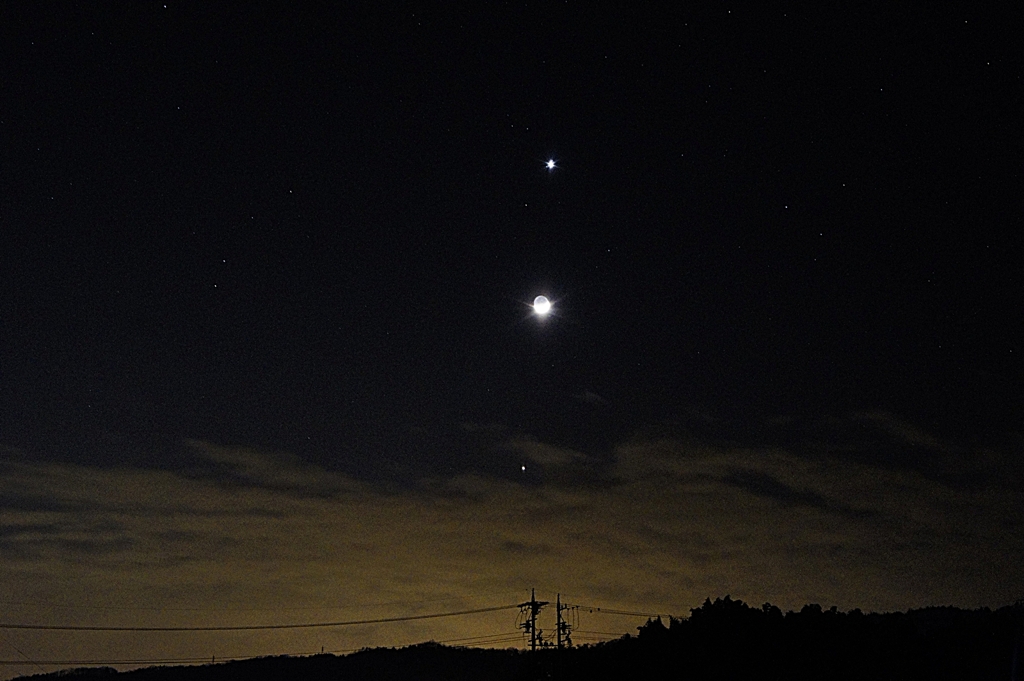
point(550, 165)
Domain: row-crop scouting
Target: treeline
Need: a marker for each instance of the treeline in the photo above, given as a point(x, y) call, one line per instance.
point(727, 639)
point(723, 639)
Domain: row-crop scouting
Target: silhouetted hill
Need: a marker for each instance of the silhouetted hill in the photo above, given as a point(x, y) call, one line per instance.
point(724, 639)
point(426, 661)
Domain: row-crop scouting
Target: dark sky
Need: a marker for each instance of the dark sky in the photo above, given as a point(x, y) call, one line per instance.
point(265, 332)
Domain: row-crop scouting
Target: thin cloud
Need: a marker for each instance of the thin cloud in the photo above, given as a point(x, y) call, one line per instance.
point(544, 454)
point(903, 431)
point(674, 522)
point(590, 397)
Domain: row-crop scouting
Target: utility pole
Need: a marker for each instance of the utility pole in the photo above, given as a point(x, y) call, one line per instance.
point(531, 609)
point(563, 629)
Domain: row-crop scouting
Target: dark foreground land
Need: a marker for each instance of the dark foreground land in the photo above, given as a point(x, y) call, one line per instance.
point(724, 639)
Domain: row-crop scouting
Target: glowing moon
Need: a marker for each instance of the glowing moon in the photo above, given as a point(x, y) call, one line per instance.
point(541, 305)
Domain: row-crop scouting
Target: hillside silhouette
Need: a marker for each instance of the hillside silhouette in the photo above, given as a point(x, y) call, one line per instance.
point(722, 639)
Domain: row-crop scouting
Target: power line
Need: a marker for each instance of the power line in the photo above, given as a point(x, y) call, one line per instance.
point(18, 650)
point(482, 640)
point(485, 639)
point(503, 637)
point(258, 627)
point(493, 644)
point(601, 633)
point(90, 663)
point(469, 640)
point(124, 608)
point(612, 611)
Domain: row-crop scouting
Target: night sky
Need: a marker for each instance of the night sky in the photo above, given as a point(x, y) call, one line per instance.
point(267, 351)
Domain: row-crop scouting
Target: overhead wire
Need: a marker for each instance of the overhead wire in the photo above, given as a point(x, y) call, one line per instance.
point(257, 627)
point(127, 608)
point(599, 633)
point(92, 663)
point(20, 652)
point(482, 640)
point(613, 611)
point(487, 639)
point(476, 639)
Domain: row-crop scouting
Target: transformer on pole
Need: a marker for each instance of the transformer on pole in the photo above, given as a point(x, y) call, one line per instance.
point(563, 628)
point(531, 609)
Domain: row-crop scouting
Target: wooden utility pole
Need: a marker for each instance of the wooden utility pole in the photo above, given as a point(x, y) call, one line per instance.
point(562, 628)
point(531, 609)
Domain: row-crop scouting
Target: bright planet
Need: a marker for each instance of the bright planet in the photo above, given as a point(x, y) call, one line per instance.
point(541, 305)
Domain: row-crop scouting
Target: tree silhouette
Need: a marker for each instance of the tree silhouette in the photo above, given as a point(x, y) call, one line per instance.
point(721, 639)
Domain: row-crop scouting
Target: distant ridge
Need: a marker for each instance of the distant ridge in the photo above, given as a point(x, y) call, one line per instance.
point(724, 638)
